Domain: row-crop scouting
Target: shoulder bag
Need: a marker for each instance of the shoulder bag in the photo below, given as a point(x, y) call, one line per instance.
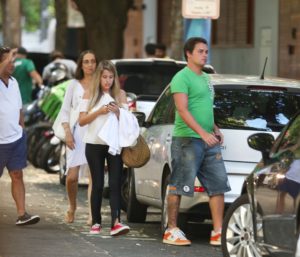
point(138, 155)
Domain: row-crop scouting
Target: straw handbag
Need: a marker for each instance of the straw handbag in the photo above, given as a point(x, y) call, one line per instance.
point(138, 155)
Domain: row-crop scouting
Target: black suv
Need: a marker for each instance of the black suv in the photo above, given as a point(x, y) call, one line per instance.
point(144, 79)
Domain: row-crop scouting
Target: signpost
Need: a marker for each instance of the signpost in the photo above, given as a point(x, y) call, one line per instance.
point(201, 9)
point(198, 15)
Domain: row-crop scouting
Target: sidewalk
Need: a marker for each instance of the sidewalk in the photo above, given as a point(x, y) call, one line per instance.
point(50, 237)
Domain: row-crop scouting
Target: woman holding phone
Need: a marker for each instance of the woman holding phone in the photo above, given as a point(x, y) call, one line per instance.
point(104, 98)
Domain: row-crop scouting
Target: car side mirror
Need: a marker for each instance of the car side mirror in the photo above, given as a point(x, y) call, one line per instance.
point(141, 117)
point(262, 142)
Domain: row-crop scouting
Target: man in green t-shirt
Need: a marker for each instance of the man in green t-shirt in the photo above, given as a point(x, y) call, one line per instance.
point(196, 141)
point(24, 73)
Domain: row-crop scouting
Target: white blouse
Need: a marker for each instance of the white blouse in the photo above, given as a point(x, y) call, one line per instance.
point(72, 99)
point(93, 128)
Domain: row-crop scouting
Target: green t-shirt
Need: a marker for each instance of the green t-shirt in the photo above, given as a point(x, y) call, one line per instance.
point(200, 101)
point(23, 67)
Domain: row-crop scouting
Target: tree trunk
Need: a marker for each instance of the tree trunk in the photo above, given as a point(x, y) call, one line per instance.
point(61, 9)
point(105, 22)
point(11, 22)
point(176, 47)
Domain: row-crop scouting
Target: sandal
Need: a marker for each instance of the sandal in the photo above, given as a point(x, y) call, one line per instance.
point(69, 217)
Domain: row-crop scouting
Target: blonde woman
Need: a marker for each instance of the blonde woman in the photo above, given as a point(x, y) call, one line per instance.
point(86, 66)
point(103, 99)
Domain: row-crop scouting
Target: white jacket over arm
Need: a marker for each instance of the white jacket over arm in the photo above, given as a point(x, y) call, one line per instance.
point(119, 133)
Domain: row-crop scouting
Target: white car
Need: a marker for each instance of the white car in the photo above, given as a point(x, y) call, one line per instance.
point(243, 105)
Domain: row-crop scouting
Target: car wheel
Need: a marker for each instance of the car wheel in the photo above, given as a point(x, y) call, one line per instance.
point(124, 189)
point(237, 232)
point(30, 134)
point(34, 140)
point(37, 152)
point(51, 158)
point(62, 165)
point(182, 218)
point(45, 158)
point(136, 212)
point(33, 136)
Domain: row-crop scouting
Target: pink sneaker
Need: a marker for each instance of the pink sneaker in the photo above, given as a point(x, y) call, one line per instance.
point(95, 229)
point(119, 229)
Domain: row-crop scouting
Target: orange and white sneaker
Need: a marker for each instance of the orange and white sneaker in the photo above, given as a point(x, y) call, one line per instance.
point(215, 238)
point(175, 236)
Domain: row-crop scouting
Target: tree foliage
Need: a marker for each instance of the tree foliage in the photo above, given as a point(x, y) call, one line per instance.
point(105, 23)
point(31, 11)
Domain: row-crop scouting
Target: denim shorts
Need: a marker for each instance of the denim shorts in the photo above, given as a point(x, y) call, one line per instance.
point(13, 155)
point(290, 186)
point(191, 158)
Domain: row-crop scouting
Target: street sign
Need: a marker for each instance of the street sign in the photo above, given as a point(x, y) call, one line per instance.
point(201, 9)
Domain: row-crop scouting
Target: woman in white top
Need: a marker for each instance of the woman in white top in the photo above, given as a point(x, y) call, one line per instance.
point(86, 66)
point(104, 98)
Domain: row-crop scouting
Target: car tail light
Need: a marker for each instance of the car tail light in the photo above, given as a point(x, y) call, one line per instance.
point(199, 189)
point(132, 105)
point(131, 100)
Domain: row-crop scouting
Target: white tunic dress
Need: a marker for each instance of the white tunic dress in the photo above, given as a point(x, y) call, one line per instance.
point(72, 99)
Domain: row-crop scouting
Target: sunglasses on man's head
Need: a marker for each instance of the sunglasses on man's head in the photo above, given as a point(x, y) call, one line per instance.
point(4, 49)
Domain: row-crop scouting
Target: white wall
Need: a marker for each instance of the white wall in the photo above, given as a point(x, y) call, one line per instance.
point(250, 60)
point(32, 42)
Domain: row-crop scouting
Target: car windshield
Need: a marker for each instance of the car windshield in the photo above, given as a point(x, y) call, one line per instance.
point(148, 79)
point(254, 109)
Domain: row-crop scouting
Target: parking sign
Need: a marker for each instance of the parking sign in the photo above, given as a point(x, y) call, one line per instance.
point(201, 9)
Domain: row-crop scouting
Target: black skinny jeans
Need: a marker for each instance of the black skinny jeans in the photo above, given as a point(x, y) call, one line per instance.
point(96, 155)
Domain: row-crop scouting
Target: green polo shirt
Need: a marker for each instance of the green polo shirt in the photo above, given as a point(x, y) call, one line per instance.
point(200, 101)
point(23, 67)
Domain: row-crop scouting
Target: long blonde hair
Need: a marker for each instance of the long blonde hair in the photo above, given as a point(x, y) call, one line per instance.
point(96, 89)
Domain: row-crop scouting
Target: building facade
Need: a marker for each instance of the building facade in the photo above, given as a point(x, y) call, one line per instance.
point(247, 32)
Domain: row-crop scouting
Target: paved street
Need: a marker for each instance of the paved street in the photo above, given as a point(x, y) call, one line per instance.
point(52, 237)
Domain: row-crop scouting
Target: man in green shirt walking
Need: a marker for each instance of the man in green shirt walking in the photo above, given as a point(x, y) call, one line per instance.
point(24, 73)
point(196, 141)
